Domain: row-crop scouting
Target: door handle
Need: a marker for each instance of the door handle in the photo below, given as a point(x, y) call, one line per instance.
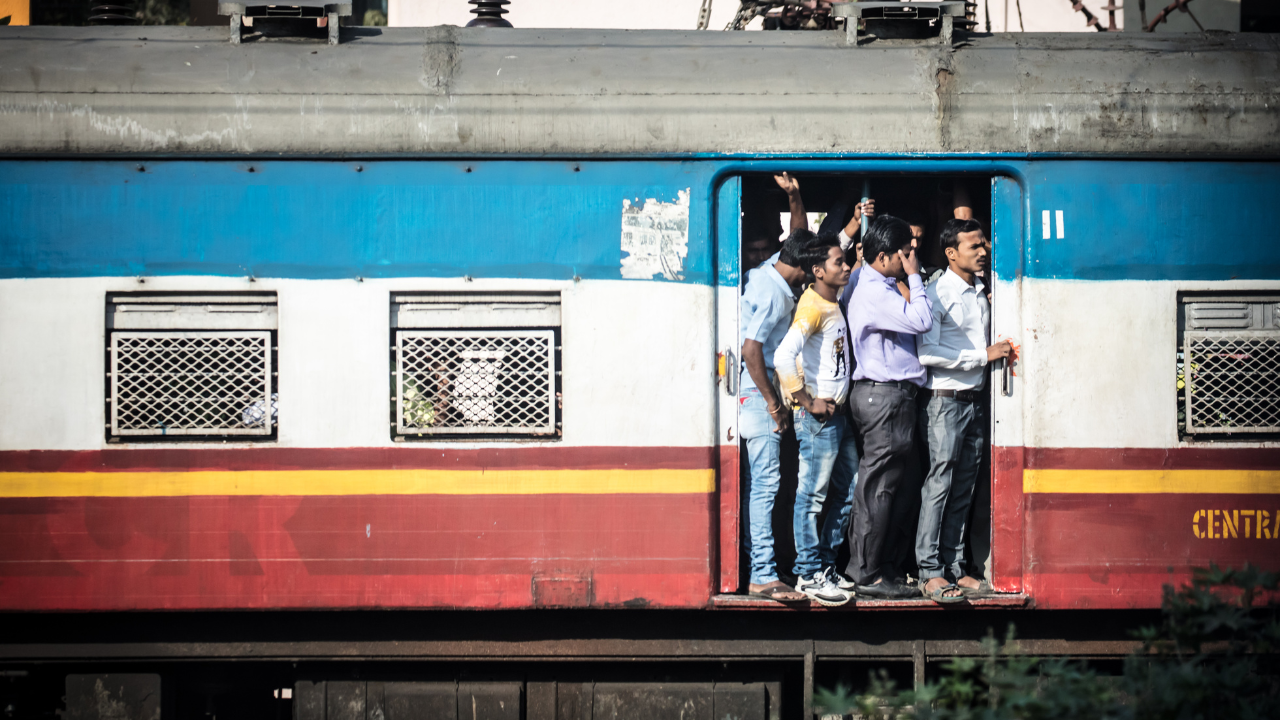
point(730, 373)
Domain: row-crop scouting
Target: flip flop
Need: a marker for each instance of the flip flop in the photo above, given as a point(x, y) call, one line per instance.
point(983, 590)
point(771, 592)
point(938, 597)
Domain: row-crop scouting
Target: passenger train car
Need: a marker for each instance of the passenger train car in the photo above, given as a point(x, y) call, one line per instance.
point(447, 319)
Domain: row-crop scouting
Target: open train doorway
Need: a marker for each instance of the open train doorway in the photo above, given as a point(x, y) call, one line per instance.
point(842, 206)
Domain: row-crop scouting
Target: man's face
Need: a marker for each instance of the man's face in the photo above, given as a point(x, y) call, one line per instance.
point(893, 268)
point(971, 254)
point(757, 251)
point(835, 271)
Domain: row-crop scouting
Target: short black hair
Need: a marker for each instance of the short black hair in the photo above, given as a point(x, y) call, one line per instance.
point(804, 249)
point(792, 247)
point(887, 234)
point(815, 250)
point(950, 237)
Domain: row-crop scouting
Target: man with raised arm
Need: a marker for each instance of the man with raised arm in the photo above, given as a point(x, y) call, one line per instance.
point(956, 351)
point(884, 326)
point(766, 310)
point(814, 363)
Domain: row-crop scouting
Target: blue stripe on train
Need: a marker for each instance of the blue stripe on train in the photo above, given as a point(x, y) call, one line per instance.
point(311, 219)
point(544, 219)
point(1152, 221)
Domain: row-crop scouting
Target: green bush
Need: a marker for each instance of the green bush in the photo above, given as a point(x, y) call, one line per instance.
point(1213, 656)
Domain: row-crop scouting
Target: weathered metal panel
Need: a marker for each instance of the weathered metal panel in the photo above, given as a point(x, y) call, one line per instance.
point(468, 91)
point(114, 696)
point(653, 701)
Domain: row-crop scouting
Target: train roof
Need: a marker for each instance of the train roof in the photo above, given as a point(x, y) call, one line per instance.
point(480, 91)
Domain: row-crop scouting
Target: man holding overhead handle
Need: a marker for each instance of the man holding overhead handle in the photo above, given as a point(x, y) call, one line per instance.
point(956, 351)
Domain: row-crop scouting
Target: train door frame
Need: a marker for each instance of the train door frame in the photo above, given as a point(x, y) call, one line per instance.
point(1008, 237)
point(727, 216)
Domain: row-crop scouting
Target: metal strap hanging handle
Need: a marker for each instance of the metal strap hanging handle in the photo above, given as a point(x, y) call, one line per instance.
point(1005, 372)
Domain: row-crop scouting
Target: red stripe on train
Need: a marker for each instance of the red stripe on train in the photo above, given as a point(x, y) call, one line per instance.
point(394, 458)
point(361, 551)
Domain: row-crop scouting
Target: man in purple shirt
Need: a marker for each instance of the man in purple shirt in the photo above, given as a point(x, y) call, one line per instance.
point(883, 327)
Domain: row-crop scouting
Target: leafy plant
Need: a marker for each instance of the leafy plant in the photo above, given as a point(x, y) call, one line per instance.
point(1213, 656)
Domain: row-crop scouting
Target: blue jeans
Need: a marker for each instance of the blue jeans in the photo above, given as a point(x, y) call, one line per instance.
point(954, 431)
point(756, 427)
point(828, 466)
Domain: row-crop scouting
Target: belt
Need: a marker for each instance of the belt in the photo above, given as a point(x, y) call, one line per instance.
point(902, 384)
point(961, 395)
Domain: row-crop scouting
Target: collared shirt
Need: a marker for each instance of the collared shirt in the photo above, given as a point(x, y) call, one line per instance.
point(767, 305)
point(814, 355)
point(885, 326)
point(955, 349)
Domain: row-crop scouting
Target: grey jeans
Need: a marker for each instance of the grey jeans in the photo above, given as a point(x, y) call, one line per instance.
point(953, 432)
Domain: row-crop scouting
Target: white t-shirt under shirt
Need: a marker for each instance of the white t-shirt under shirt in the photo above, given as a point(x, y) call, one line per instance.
point(814, 354)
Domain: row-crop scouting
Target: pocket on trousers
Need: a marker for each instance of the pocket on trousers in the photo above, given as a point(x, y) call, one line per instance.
point(753, 417)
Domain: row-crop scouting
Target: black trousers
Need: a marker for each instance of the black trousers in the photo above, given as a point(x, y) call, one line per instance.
point(886, 417)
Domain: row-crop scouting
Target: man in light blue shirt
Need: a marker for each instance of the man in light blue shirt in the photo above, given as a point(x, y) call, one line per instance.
point(767, 305)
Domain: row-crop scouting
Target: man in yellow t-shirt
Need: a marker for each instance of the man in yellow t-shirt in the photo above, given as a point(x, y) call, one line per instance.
point(813, 363)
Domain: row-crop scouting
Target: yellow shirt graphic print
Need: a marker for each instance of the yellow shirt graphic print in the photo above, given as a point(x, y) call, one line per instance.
point(814, 355)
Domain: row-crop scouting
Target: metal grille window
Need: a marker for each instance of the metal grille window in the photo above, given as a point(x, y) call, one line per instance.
point(1229, 374)
point(475, 365)
point(191, 366)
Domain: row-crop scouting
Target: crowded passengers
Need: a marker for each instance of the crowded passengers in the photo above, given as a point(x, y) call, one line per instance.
point(880, 367)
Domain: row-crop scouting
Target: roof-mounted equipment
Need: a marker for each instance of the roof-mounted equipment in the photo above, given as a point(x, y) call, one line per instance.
point(299, 14)
point(901, 19)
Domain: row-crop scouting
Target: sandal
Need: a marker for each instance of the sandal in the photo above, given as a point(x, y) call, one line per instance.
point(982, 591)
point(938, 596)
point(776, 588)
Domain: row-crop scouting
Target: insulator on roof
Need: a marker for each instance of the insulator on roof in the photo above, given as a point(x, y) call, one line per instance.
point(489, 13)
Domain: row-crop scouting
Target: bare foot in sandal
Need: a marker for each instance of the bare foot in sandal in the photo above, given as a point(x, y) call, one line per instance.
point(973, 587)
point(776, 590)
point(940, 591)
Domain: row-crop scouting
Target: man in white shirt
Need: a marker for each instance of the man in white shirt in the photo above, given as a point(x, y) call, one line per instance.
point(956, 352)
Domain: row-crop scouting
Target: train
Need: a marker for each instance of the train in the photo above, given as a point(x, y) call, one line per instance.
point(404, 369)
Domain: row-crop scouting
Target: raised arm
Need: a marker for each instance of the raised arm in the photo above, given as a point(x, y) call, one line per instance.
point(799, 220)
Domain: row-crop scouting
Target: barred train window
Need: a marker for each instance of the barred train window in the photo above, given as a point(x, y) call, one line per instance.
point(1229, 365)
point(475, 365)
point(191, 366)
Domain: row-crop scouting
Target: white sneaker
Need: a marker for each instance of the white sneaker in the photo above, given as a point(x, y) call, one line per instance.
point(823, 589)
point(840, 580)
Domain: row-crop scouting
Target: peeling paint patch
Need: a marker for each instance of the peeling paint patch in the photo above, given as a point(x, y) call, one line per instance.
point(655, 238)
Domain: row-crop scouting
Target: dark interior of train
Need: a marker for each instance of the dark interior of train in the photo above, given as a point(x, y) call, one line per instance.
point(927, 200)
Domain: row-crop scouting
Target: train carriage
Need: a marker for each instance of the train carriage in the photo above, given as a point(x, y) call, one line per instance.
point(446, 318)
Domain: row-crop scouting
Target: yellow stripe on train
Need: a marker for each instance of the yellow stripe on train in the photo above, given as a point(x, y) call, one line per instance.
point(356, 482)
point(1189, 482)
